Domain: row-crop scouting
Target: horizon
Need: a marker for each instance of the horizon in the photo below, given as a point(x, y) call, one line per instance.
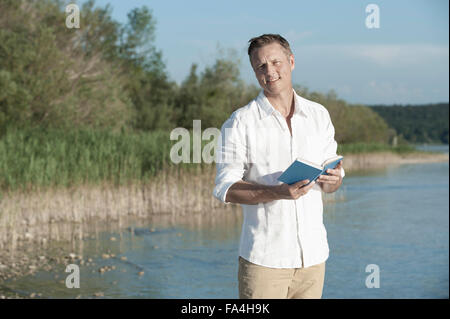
point(404, 61)
point(414, 105)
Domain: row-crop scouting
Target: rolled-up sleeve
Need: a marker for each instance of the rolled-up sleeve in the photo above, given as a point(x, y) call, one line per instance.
point(330, 143)
point(231, 157)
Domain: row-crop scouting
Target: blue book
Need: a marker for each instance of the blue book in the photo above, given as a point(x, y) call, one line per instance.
point(302, 169)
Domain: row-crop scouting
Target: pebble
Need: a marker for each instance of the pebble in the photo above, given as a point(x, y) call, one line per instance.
point(113, 239)
point(141, 273)
point(105, 256)
point(99, 294)
point(33, 295)
point(123, 258)
point(152, 230)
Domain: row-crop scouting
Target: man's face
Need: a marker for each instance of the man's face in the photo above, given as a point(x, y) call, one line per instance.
point(273, 68)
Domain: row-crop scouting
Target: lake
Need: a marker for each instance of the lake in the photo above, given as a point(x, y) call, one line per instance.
point(396, 218)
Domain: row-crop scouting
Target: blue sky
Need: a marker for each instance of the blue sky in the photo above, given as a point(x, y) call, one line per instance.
point(405, 61)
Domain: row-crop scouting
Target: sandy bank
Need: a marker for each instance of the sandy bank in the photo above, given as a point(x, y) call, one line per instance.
point(368, 161)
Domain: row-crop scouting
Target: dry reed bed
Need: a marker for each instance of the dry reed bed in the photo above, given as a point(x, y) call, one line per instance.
point(367, 161)
point(175, 193)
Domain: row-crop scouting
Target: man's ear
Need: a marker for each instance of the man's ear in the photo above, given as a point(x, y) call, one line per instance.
point(251, 60)
point(292, 62)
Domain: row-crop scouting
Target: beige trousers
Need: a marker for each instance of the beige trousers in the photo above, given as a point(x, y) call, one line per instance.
point(261, 282)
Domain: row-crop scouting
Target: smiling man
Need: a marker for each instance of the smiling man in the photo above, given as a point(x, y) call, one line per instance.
point(283, 246)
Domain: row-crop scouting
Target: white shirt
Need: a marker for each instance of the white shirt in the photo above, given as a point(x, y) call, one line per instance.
point(256, 146)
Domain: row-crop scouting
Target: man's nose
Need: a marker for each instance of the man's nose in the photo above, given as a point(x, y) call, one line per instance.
point(269, 70)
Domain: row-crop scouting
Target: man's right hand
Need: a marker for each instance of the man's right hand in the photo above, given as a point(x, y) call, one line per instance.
point(296, 190)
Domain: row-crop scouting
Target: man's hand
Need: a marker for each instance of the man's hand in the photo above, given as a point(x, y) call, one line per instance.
point(294, 191)
point(330, 183)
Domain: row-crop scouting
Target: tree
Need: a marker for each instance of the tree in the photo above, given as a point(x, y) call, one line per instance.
point(55, 76)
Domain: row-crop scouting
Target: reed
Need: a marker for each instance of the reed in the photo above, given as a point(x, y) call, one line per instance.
point(36, 158)
point(359, 148)
point(173, 191)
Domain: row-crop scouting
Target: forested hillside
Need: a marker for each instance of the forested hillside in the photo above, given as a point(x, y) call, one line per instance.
point(417, 123)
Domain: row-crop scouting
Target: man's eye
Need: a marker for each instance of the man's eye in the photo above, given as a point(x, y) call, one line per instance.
point(277, 62)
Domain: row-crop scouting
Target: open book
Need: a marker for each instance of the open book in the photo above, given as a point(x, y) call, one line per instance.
point(302, 169)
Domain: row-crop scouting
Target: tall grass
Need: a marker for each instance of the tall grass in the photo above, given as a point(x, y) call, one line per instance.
point(49, 157)
point(38, 158)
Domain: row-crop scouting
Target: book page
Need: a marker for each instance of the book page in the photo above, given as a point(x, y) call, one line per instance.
point(315, 165)
point(331, 160)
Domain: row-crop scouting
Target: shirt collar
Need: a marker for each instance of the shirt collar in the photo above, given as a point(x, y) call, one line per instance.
point(266, 109)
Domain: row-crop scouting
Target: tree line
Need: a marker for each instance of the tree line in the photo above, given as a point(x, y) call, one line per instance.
point(108, 75)
point(427, 123)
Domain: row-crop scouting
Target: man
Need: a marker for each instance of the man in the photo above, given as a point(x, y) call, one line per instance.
point(283, 246)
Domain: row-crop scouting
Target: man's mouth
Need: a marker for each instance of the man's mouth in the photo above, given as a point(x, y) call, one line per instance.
point(272, 80)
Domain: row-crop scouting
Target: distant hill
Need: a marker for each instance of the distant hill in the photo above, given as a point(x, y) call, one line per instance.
point(427, 123)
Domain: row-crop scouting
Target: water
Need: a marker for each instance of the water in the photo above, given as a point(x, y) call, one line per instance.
point(396, 218)
point(399, 221)
point(438, 148)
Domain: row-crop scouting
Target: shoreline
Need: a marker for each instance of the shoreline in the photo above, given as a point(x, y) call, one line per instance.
point(21, 227)
point(368, 161)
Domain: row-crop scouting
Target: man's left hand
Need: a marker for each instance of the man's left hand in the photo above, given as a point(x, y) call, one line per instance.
point(331, 182)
